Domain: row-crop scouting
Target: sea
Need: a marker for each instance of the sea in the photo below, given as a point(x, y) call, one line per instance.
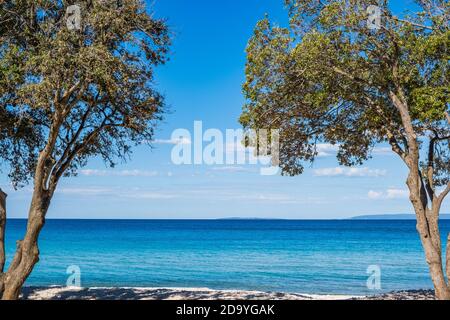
point(352, 257)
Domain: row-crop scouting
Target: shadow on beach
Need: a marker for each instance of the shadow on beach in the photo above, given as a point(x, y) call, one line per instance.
point(67, 293)
point(72, 293)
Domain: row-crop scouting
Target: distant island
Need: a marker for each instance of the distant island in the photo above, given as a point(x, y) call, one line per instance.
point(394, 217)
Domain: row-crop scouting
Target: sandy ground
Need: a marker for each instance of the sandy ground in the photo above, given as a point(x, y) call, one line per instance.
point(67, 293)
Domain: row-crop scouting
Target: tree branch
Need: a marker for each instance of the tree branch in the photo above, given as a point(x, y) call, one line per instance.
point(390, 135)
point(430, 169)
point(413, 23)
point(354, 78)
point(65, 98)
point(42, 169)
point(76, 150)
point(74, 137)
point(423, 192)
point(411, 136)
point(406, 119)
point(442, 196)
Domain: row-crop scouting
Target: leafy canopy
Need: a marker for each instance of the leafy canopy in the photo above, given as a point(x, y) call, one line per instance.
point(69, 94)
point(328, 77)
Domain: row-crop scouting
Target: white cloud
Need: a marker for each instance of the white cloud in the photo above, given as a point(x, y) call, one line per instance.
point(397, 193)
point(326, 149)
point(84, 191)
point(216, 194)
point(150, 195)
point(130, 193)
point(391, 193)
point(183, 140)
point(349, 172)
point(118, 173)
point(231, 169)
point(383, 151)
point(374, 195)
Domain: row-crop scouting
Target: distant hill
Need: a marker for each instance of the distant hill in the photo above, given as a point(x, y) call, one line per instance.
point(394, 217)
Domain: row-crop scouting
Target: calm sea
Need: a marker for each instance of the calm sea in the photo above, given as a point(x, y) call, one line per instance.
point(270, 255)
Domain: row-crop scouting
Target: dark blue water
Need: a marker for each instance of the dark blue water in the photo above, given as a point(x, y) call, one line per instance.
point(278, 255)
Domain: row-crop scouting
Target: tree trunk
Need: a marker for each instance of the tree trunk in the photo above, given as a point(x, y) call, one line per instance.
point(434, 260)
point(447, 256)
point(2, 229)
point(428, 229)
point(2, 237)
point(27, 253)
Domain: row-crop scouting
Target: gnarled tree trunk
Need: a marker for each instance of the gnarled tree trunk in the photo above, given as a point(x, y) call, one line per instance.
point(2, 237)
point(27, 253)
point(426, 203)
point(428, 229)
point(447, 255)
point(434, 259)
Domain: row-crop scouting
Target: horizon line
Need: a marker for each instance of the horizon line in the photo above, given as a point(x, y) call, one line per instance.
point(358, 217)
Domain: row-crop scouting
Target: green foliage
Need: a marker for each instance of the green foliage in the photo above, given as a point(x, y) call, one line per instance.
point(429, 104)
point(327, 77)
point(78, 93)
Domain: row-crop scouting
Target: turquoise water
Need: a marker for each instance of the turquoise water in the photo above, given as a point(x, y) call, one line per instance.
point(270, 255)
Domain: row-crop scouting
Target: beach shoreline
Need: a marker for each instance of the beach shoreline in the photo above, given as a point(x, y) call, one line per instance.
point(135, 293)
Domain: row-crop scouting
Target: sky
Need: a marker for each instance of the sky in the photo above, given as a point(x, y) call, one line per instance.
point(202, 82)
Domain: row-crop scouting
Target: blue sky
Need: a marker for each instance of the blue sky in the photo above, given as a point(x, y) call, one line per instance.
point(203, 82)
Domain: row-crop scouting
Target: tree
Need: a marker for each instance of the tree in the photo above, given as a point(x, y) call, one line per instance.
point(335, 75)
point(76, 82)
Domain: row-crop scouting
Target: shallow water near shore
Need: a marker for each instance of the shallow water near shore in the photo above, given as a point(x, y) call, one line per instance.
point(309, 257)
